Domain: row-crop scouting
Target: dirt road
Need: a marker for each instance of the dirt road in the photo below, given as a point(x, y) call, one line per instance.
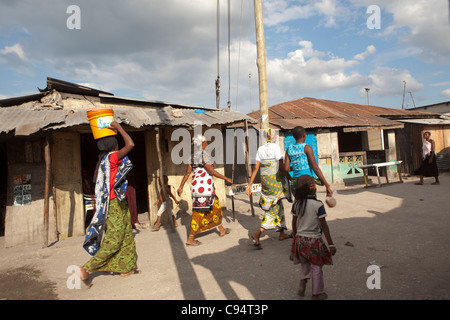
point(402, 229)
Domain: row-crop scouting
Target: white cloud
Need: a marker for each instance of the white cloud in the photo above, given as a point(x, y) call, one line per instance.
point(428, 23)
point(445, 93)
point(440, 84)
point(166, 50)
point(283, 11)
point(389, 81)
point(280, 11)
point(13, 55)
point(15, 50)
point(422, 24)
point(305, 71)
point(332, 11)
point(361, 56)
point(308, 70)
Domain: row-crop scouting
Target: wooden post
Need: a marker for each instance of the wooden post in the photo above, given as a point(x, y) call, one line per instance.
point(261, 63)
point(247, 164)
point(48, 173)
point(232, 176)
point(161, 174)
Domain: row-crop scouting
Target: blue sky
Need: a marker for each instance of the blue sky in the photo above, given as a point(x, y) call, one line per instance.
point(167, 50)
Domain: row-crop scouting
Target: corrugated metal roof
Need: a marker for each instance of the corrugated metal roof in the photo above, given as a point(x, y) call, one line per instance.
point(167, 116)
point(33, 116)
point(69, 87)
point(63, 104)
point(427, 121)
point(317, 113)
point(24, 121)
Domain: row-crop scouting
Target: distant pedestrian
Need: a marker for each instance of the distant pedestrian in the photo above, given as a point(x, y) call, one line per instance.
point(308, 248)
point(428, 167)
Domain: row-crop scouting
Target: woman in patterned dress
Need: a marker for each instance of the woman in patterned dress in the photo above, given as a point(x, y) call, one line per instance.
point(116, 252)
point(206, 209)
point(274, 188)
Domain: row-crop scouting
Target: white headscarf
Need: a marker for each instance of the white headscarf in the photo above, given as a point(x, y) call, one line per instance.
point(198, 140)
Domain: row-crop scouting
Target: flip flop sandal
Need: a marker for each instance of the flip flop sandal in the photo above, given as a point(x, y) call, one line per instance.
point(196, 244)
point(256, 245)
point(227, 231)
point(124, 275)
point(86, 282)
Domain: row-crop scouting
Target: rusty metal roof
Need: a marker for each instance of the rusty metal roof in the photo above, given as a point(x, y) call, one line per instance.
point(317, 113)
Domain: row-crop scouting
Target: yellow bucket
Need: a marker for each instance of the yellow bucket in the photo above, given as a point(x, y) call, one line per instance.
point(100, 119)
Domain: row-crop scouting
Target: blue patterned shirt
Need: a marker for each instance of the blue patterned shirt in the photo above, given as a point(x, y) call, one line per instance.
point(299, 160)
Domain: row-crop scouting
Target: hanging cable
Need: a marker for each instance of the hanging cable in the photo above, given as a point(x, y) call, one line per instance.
point(217, 83)
point(239, 55)
point(229, 59)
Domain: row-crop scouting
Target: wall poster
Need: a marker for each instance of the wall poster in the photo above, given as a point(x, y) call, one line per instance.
point(22, 190)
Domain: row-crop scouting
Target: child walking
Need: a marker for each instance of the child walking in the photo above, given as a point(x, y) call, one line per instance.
point(308, 248)
point(164, 204)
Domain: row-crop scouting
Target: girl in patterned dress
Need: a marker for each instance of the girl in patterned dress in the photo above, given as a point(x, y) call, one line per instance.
point(308, 248)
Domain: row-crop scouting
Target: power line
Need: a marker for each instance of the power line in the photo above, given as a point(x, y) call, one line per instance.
point(239, 55)
point(217, 83)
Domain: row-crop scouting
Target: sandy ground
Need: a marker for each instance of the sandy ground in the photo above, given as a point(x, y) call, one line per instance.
point(402, 228)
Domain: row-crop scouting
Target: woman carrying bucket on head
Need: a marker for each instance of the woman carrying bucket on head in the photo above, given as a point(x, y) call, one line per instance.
point(109, 239)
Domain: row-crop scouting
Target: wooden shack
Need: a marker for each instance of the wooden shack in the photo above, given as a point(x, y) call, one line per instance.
point(345, 135)
point(48, 151)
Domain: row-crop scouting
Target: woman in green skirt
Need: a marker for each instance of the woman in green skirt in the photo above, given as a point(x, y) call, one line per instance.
point(274, 187)
point(109, 239)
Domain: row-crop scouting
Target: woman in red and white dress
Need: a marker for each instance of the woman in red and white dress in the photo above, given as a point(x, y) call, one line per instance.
point(206, 209)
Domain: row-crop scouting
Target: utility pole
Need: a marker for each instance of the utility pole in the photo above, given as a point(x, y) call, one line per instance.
point(250, 88)
point(367, 91)
point(261, 64)
point(410, 93)
point(404, 88)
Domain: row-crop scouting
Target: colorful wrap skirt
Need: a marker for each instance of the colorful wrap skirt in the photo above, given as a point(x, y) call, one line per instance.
point(274, 188)
point(205, 220)
point(313, 250)
point(274, 218)
point(117, 252)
